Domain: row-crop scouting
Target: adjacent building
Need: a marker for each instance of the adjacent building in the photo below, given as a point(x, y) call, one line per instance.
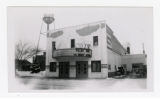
point(40, 59)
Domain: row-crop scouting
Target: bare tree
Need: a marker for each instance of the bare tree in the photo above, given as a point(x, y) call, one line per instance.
point(24, 51)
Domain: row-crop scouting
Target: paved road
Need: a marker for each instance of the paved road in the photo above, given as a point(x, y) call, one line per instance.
point(86, 84)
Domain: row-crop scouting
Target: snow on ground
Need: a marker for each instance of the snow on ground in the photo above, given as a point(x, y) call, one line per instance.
point(84, 85)
point(40, 82)
point(28, 74)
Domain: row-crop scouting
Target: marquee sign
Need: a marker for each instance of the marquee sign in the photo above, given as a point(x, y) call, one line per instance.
point(83, 45)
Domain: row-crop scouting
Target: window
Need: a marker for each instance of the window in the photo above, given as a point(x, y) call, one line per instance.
point(95, 40)
point(109, 67)
point(96, 66)
point(72, 43)
point(53, 66)
point(53, 45)
point(109, 40)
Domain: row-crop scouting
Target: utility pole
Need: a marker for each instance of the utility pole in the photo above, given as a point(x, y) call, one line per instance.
point(48, 19)
point(143, 48)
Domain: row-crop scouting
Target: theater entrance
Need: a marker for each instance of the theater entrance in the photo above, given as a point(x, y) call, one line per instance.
point(63, 69)
point(81, 69)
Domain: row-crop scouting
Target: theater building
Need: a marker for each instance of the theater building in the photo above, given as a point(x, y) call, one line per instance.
point(86, 51)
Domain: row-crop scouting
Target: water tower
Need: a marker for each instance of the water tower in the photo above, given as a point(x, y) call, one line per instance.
point(48, 19)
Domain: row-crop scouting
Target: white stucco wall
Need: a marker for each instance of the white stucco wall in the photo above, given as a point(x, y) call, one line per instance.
point(113, 59)
point(98, 52)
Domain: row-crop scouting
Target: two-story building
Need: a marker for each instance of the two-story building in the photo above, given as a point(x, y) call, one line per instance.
point(83, 51)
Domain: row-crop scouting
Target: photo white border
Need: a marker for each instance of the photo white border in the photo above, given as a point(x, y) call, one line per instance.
point(127, 3)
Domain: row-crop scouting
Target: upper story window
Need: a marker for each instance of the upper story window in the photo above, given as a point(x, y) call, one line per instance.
point(53, 45)
point(95, 40)
point(96, 66)
point(72, 43)
point(109, 40)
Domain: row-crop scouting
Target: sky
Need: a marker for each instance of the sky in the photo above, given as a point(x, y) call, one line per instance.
point(132, 25)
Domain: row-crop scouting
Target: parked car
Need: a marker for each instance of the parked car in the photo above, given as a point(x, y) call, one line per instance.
point(35, 68)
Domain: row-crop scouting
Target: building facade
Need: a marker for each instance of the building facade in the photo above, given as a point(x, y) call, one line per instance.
point(83, 51)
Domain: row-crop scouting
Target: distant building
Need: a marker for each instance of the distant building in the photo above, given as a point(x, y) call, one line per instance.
point(87, 51)
point(23, 65)
point(41, 60)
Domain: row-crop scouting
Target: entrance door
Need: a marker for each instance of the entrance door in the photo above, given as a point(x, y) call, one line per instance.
point(82, 69)
point(63, 69)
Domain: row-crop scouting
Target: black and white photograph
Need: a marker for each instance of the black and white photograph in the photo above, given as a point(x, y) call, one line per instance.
point(79, 48)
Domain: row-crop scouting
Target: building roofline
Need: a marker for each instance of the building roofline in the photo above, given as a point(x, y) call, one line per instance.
point(134, 54)
point(114, 51)
point(119, 42)
point(112, 34)
point(78, 25)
